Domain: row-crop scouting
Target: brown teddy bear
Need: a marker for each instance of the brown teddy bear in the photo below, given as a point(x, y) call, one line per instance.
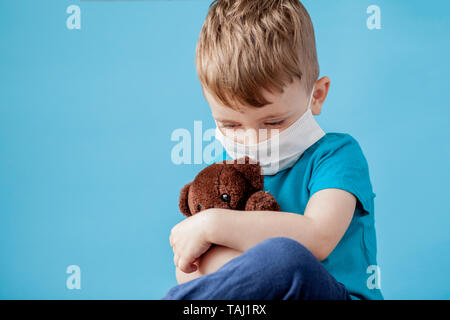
point(228, 184)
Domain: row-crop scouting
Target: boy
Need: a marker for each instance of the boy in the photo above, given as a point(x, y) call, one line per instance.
point(257, 64)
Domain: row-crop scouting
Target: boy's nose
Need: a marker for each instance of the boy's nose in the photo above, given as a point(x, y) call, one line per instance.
point(250, 136)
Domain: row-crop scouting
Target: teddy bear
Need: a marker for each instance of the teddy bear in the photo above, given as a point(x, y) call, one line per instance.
point(236, 185)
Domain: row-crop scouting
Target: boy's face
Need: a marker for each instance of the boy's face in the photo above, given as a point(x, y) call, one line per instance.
point(285, 109)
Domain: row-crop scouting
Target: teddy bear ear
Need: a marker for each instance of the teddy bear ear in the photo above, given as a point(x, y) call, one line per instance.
point(251, 170)
point(183, 202)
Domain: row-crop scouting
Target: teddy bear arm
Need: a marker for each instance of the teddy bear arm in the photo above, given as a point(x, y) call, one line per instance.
point(262, 201)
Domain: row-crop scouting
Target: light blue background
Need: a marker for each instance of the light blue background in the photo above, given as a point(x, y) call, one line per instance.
point(86, 117)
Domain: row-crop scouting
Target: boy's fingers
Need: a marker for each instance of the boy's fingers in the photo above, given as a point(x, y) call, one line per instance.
point(185, 266)
point(171, 236)
point(175, 260)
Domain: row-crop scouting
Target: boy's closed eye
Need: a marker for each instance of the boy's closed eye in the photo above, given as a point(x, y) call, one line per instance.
point(229, 125)
point(271, 123)
point(274, 123)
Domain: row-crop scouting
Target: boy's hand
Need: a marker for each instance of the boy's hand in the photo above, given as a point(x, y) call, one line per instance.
point(189, 241)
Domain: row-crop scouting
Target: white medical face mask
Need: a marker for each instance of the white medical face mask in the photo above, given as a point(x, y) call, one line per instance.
point(281, 150)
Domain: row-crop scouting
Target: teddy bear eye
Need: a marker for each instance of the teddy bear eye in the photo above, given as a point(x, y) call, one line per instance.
point(199, 207)
point(225, 197)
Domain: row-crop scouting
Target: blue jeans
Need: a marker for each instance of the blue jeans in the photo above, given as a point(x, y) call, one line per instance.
point(275, 269)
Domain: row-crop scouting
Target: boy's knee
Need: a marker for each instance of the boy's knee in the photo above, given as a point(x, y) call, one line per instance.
point(289, 255)
point(283, 246)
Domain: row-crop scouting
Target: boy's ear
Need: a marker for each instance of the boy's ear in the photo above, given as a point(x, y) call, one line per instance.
point(251, 170)
point(183, 202)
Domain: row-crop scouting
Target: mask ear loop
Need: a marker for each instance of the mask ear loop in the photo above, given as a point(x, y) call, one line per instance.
point(311, 99)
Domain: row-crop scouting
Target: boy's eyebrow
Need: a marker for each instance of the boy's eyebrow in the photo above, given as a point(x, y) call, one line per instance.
point(225, 120)
point(271, 116)
point(276, 116)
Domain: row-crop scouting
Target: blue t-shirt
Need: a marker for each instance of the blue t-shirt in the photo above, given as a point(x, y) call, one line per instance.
point(336, 161)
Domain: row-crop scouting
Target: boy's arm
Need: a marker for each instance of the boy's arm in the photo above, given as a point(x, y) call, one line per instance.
point(327, 216)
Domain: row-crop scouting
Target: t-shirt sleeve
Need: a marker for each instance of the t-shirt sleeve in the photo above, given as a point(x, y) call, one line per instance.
point(342, 165)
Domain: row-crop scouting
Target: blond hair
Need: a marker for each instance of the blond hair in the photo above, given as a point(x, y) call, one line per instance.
point(249, 45)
